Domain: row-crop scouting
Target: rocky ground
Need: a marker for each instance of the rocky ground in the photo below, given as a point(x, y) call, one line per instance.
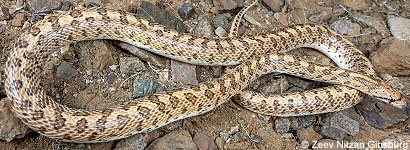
point(96, 74)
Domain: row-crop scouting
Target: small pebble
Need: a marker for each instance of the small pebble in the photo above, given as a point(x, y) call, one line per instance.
point(220, 32)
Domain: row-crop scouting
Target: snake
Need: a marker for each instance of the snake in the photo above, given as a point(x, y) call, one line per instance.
point(254, 55)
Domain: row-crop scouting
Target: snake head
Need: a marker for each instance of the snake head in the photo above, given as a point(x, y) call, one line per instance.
point(390, 95)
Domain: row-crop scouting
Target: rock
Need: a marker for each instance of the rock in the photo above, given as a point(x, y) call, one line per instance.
point(343, 122)
point(333, 133)
point(65, 6)
point(204, 142)
point(187, 11)
point(95, 55)
point(66, 71)
point(136, 142)
point(220, 143)
point(282, 125)
point(161, 16)
point(399, 27)
point(39, 5)
point(393, 59)
point(183, 72)
point(376, 22)
point(273, 86)
point(204, 28)
point(356, 30)
point(319, 17)
point(175, 140)
point(342, 26)
point(302, 122)
point(308, 134)
point(18, 20)
point(282, 18)
point(260, 17)
point(220, 20)
point(326, 144)
point(111, 78)
point(146, 85)
point(378, 114)
point(228, 4)
point(11, 127)
point(264, 118)
point(220, 32)
point(274, 5)
point(4, 13)
point(356, 4)
point(131, 65)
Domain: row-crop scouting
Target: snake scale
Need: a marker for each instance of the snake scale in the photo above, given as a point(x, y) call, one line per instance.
point(255, 54)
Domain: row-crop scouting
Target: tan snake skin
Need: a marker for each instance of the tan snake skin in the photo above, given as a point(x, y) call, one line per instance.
point(255, 54)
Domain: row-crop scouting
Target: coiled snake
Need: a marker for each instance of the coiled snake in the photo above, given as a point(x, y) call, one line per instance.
point(256, 54)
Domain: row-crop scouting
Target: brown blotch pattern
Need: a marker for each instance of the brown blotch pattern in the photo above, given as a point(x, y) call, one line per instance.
point(81, 125)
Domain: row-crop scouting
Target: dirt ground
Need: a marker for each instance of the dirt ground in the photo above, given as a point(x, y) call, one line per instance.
point(93, 63)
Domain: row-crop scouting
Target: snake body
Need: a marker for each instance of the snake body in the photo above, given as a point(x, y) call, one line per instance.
point(256, 55)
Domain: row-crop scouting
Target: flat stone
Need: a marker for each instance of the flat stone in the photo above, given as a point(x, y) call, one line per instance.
point(4, 13)
point(161, 16)
point(204, 142)
point(187, 11)
point(39, 5)
point(342, 26)
point(183, 72)
point(393, 59)
point(378, 114)
point(131, 65)
point(228, 4)
point(399, 27)
point(274, 5)
point(18, 20)
point(175, 140)
point(66, 70)
point(146, 85)
point(11, 127)
point(343, 122)
point(376, 22)
point(95, 55)
point(282, 125)
point(308, 134)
